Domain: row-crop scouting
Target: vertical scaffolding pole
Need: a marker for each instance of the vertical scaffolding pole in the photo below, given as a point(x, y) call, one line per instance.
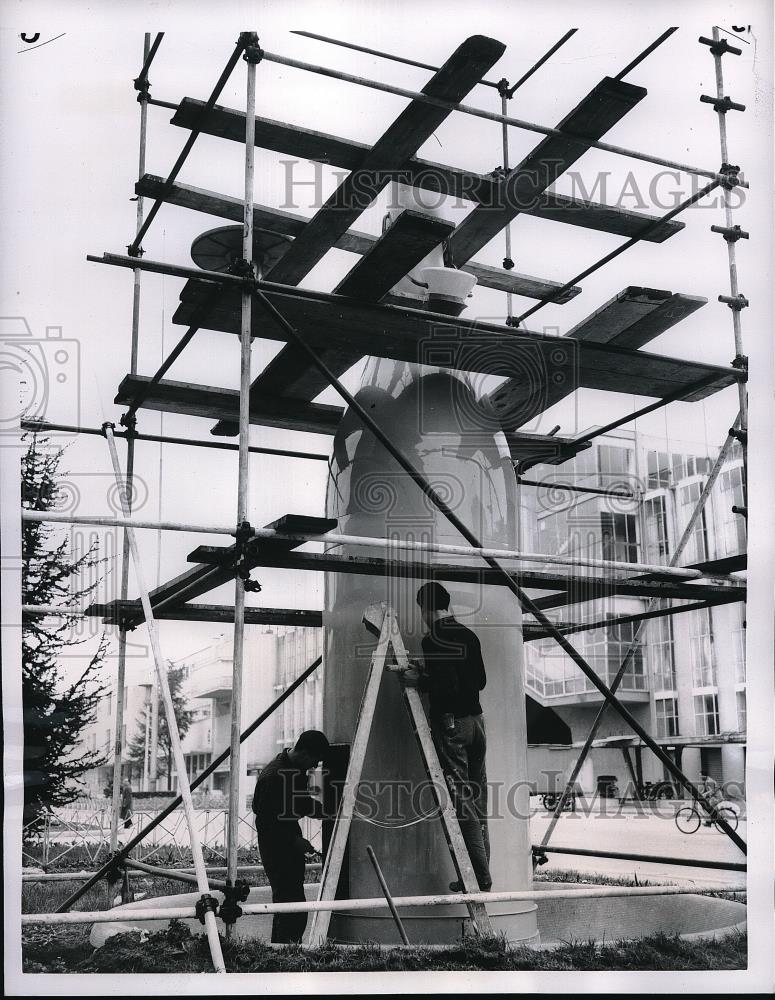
point(679, 550)
point(208, 901)
point(734, 290)
point(118, 741)
point(251, 57)
point(508, 263)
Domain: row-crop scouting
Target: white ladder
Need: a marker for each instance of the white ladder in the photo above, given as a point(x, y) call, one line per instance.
point(381, 619)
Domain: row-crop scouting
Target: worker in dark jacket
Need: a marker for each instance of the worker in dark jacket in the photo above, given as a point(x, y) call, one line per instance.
point(452, 673)
point(280, 800)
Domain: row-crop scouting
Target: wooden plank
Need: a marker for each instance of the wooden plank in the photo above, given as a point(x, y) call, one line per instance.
point(321, 147)
point(635, 316)
point(629, 320)
point(401, 248)
point(587, 586)
point(408, 241)
point(289, 224)
point(428, 338)
point(332, 866)
point(223, 404)
point(546, 449)
point(416, 123)
point(116, 611)
point(597, 113)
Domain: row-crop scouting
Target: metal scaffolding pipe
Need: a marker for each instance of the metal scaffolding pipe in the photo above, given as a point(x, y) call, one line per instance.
point(124, 915)
point(646, 52)
point(118, 740)
point(243, 472)
point(169, 711)
point(38, 426)
point(134, 249)
point(390, 544)
point(489, 115)
point(649, 858)
point(734, 290)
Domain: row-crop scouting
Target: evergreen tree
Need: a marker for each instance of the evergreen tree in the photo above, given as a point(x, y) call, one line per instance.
point(55, 713)
point(137, 747)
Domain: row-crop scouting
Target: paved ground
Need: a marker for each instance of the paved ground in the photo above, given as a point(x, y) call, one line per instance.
point(631, 831)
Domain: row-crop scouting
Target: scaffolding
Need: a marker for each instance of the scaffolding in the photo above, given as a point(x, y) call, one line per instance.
point(326, 333)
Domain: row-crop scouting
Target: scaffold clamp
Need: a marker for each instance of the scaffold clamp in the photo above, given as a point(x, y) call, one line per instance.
point(735, 302)
point(722, 104)
point(729, 175)
point(143, 87)
point(129, 420)
point(117, 867)
point(235, 894)
point(253, 53)
point(242, 535)
point(204, 905)
point(731, 233)
point(720, 47)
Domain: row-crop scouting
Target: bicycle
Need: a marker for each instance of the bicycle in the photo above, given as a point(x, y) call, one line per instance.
point(689, 818)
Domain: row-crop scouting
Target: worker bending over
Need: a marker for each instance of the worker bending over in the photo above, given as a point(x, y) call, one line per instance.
point(280, 800)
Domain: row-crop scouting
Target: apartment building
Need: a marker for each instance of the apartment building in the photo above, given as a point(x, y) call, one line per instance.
point(686, 681)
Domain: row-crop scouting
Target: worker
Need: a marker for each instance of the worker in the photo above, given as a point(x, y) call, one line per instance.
point(280, 799)
point(452, 673)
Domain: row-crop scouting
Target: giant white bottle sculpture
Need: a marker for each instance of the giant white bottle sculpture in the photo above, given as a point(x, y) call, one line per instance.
point(431, 414)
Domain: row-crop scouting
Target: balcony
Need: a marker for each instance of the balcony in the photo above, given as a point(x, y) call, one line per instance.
point(211, 684)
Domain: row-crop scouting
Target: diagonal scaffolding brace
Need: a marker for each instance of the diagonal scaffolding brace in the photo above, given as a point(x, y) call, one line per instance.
point(208, 902)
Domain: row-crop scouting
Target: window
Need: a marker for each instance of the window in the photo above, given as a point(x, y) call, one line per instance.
point(613, 464)
point(657, 544)
point(660, 647)
point(740, 696)
point(706, 714)
point(658, 467)
point(732, 533)
point(697, 547)
point(620, 536)
point(620, 636)
point(701, 649)
point(667, 716)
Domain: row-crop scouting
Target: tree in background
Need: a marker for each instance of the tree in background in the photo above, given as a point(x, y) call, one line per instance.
point(137, 749)
point(55, 713)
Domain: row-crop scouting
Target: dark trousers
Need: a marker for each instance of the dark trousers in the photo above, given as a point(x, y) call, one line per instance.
point(462, 757)
point(283, 863)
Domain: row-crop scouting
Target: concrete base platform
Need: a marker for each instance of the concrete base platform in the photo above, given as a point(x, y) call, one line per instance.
point(559, 920)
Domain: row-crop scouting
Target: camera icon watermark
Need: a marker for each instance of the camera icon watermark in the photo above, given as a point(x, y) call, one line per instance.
point(39, 376)
point(88, 492)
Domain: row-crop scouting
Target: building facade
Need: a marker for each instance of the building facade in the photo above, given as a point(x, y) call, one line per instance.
point(685, 683)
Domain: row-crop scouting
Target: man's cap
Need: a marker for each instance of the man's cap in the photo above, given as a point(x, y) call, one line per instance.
point(314, 743)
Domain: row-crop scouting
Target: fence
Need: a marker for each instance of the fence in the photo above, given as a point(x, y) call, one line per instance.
point(85, 834)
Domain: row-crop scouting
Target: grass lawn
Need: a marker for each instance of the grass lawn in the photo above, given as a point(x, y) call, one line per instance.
point(67, 949)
